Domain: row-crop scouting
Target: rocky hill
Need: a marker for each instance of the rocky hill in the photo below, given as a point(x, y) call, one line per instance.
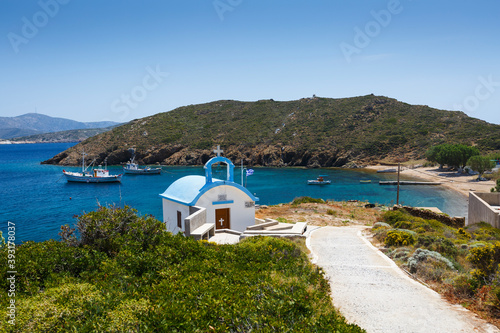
point(310, 132)
point(35, 123)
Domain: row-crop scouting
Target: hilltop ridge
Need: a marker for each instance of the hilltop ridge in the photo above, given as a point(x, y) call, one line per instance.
point(312, 132)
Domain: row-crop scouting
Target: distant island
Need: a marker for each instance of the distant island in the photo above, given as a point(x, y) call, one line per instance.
point(25, 127)
point(63, 136)
point(310, 132)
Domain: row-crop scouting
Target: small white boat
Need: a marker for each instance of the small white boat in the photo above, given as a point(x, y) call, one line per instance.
point(133, 168)
point(319, 181)
point(99, 175)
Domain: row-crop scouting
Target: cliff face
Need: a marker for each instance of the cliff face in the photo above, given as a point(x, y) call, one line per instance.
point(261, 155)
point(312, 132)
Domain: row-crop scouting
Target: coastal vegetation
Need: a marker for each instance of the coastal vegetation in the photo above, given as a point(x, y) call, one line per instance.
point(313, 132)
point(120, 272)
point(480, 164)
point(453, 155)
point(461, 263)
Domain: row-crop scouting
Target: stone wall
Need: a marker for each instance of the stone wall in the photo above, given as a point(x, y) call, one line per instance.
point(455, 222)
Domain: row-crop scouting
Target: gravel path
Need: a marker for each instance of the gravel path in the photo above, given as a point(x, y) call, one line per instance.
point(371, 291)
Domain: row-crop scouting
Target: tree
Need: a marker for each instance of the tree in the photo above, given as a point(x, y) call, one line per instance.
point(480, 164)
point(452, 155)
point(434, 154)
point(465, 153)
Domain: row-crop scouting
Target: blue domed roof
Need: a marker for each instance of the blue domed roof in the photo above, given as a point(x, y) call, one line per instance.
point(187, 190)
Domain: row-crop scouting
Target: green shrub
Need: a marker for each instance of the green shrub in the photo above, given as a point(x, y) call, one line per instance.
point(399, 238)
point(403, 225)
point(301, 200)
point(109, 228)
point(422, 226)
point(483, 231)
point(464, 285)
point(438, 244)
point(393, 216)
point(129, 316)
point(400, 253)
point(60, 309)
point(422, 255)
point(43, 263)
point(485, 259)
point(378, 225)
point(463, 234)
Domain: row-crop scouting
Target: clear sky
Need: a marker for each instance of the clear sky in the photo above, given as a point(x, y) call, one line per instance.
point(93, 60)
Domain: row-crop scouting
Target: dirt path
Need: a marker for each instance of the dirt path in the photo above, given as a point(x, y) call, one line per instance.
point(371, 291)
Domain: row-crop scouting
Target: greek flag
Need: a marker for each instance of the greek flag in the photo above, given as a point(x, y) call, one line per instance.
point(249, 172)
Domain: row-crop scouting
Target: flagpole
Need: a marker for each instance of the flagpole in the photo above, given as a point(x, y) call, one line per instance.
point(242, 172)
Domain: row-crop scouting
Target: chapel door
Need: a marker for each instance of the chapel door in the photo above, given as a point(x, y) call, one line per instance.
point(222, 218)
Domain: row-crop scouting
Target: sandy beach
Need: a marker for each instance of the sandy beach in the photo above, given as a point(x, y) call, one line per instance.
point(462, 184)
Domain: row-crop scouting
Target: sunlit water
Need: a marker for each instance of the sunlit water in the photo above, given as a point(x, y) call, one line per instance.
point(39, 200)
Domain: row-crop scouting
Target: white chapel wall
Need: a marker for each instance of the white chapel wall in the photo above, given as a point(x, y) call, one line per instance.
point(240, 216)
point(170, 209)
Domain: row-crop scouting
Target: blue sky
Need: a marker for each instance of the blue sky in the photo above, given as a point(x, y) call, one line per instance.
point(93, 60)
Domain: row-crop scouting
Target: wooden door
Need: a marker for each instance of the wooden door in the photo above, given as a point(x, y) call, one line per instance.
point(222, 219)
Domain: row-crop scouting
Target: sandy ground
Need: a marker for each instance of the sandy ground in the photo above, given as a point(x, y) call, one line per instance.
point(463, 184)
point(371, 291)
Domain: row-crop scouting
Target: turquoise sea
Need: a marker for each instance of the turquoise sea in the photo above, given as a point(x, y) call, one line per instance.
point(39, 200)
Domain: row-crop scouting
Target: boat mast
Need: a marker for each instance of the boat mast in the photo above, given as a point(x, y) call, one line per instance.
point(83, 161)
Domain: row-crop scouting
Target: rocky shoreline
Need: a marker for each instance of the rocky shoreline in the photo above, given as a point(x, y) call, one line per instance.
point(262, 155)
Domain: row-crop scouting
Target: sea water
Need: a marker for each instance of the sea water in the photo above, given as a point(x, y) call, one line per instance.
point(38, 199)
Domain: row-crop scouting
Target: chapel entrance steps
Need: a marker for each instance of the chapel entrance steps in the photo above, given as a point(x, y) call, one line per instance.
point(205, 231)
point(268, 227)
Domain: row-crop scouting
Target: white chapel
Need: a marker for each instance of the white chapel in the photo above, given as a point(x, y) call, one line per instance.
point(198, 205)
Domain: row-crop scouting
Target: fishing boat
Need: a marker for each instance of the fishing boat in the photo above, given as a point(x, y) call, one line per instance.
point(365, 181)
point(99, 175)
point(319, 181)
point(133, 168)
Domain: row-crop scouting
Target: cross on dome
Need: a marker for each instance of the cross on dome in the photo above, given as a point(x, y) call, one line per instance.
point(218, 151)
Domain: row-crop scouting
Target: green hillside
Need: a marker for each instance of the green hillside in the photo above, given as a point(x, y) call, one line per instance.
point(307, 132)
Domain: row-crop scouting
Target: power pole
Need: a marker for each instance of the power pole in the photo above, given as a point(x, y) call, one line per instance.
point(399, 170)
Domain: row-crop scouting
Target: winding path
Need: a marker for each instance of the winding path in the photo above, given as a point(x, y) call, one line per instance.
point(371, 291)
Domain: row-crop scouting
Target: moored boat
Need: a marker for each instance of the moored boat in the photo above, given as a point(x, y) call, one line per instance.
point(319, 181)
point(99, 175)
point(133, 168)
